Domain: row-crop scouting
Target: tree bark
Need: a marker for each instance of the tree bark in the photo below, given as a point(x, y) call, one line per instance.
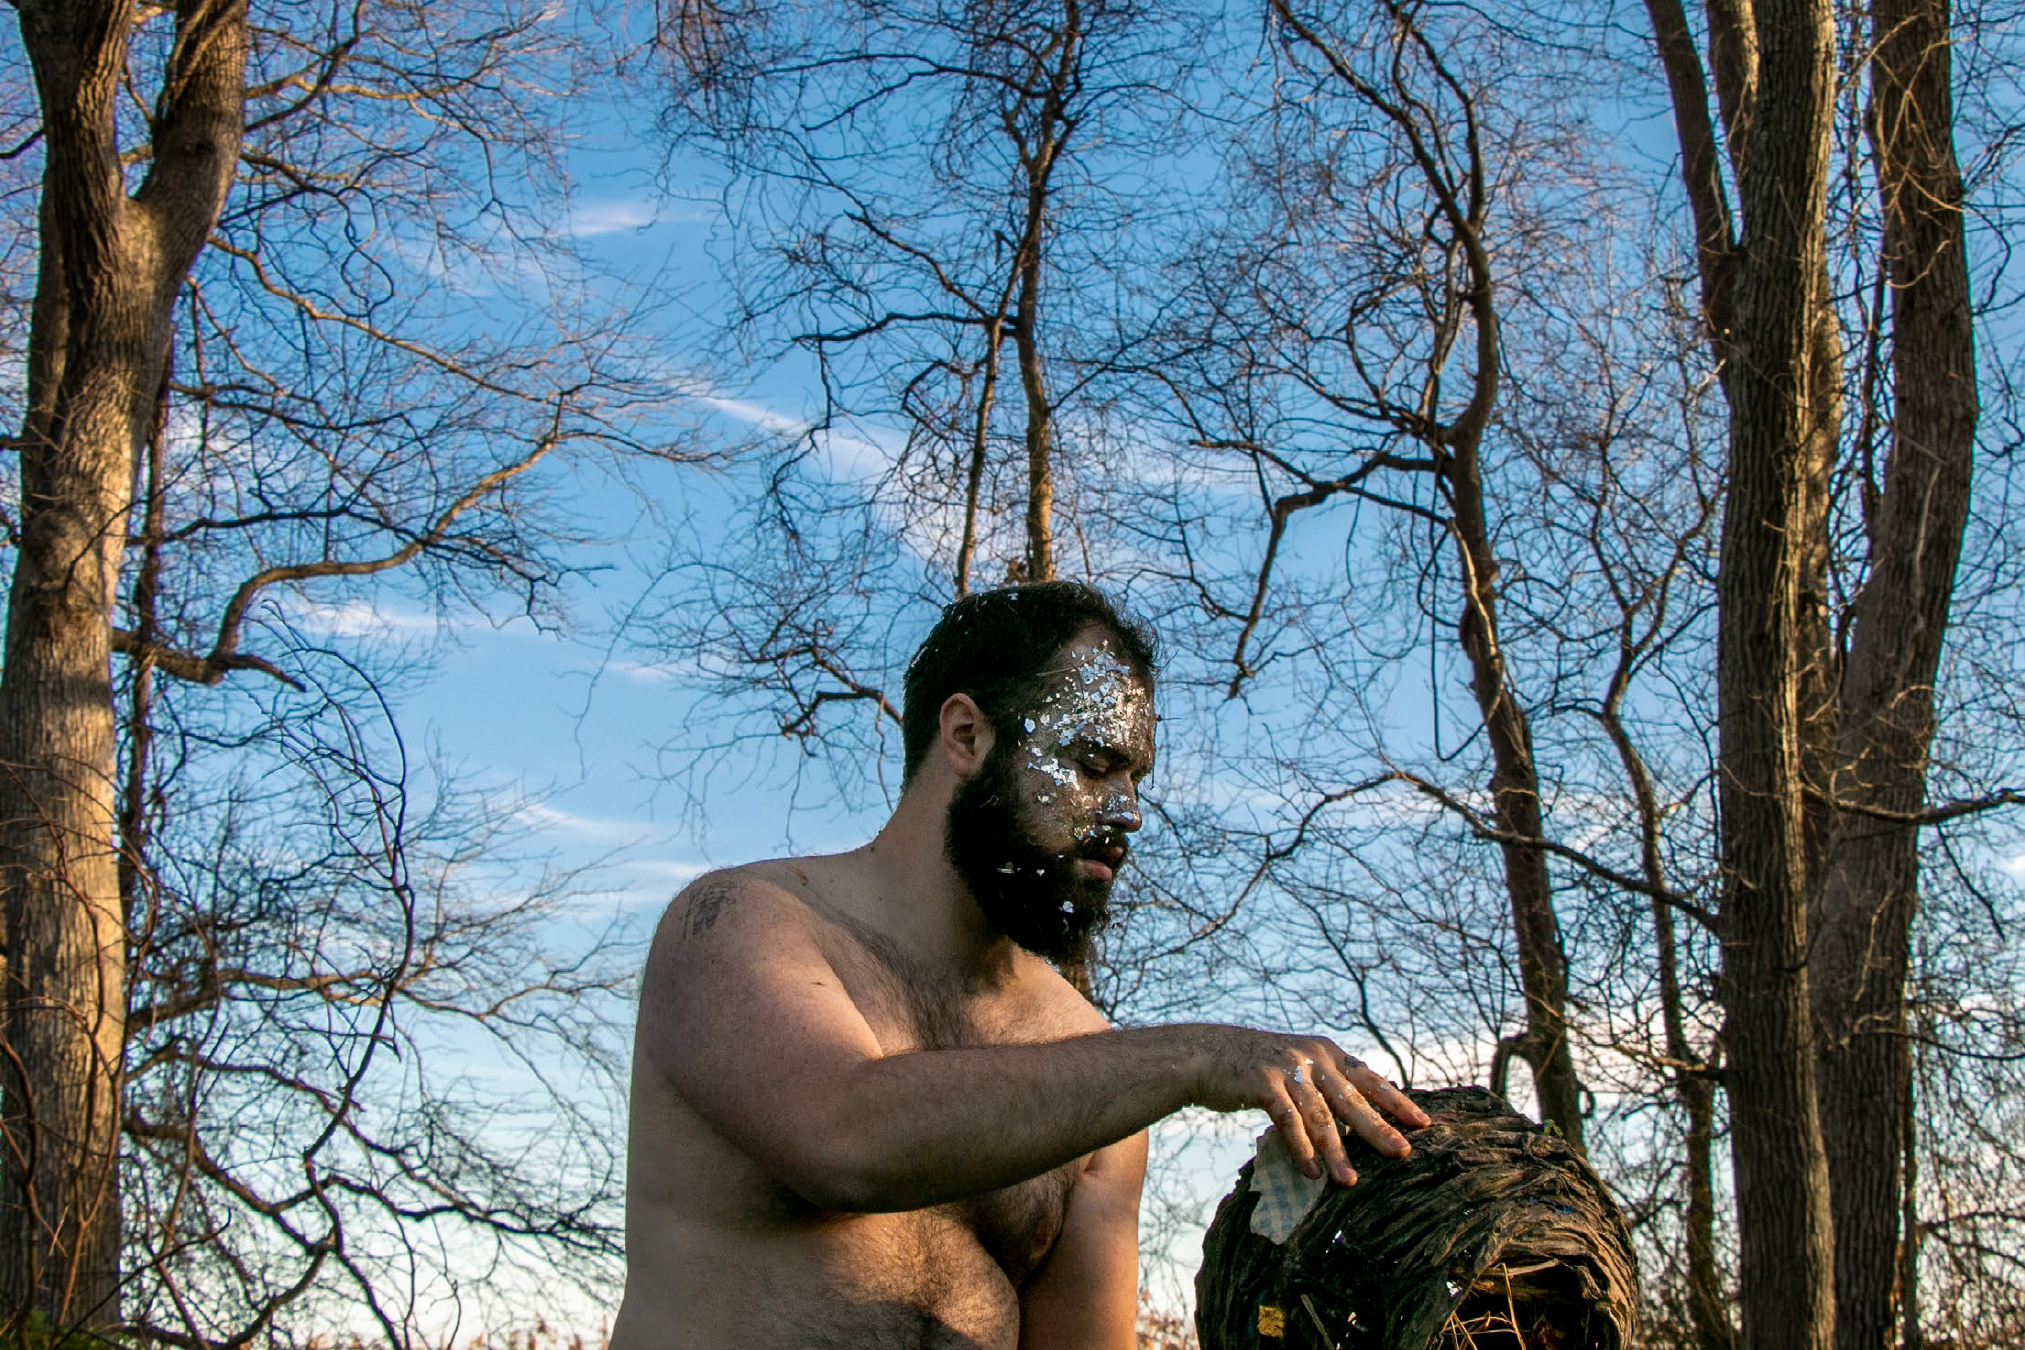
point(1776, 1143)
point(1040, 554)
point(1765, 305)
point(980, 447)
point(1910, 1337)
point(1040, 149)
point(1515, 798)
point(1040, 551)
point(110, 268)
point(1869, 892)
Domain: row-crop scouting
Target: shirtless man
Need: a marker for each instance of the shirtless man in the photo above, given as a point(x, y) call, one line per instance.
point(867, 1113)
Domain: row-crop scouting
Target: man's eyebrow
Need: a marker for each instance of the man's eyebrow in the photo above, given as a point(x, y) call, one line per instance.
point(1088, 746)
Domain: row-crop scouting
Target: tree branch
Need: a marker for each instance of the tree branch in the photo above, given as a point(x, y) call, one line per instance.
point(1701, 167)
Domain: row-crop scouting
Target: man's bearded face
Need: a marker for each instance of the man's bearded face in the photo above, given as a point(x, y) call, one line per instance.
point(1039, 832)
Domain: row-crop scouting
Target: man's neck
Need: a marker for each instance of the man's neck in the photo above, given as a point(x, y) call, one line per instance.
point(922, 902)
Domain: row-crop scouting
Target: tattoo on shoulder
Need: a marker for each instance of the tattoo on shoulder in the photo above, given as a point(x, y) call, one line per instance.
point(705, 902)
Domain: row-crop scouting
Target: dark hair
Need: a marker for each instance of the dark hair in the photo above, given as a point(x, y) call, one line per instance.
point(993, 645)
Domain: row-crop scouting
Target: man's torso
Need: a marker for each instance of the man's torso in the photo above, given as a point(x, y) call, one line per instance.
point(720, 1254)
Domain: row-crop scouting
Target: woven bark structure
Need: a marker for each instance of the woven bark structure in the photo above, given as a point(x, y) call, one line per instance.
point(1492, 1234)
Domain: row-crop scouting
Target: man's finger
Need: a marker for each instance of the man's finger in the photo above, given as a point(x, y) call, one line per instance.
point(1384, 1096)
point(1361, 1116)
point(1293, 1130)
point(1323, 1128)
point(1320, 1119)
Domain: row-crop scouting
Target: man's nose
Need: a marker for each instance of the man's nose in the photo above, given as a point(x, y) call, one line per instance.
point(1119, 807)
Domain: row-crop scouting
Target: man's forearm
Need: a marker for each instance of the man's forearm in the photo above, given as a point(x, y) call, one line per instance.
point(931, 1126)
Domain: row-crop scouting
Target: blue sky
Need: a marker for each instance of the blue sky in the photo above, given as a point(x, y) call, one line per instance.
point(565, 728)
point(568, 730)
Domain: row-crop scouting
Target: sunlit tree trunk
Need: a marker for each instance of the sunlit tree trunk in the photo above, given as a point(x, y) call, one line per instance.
point(111, 265)
point(1038, 152)
point(980, 448)
point(1515, 800)
point(1915, 518)
point(1039, 563)
point(1762, 671)
point(1772, 72)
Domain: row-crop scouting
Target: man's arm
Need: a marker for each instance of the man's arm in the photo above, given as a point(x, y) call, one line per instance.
point(753, 1028)
point(1085, 1296)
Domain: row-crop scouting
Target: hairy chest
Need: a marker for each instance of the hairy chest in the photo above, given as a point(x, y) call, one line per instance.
point(910, 1010)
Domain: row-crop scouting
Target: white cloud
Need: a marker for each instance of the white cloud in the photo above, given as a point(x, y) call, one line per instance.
point(356, 618)
point(2013, 867)
point(648, 882)
point(752, 414)
point(850, 452)
point(656, 672)
point(619, 838)
point(605, 829)
point(592, 219)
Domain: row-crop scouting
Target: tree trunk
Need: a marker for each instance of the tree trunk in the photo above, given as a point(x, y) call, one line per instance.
point(980, 447)
point(1911, 1337)
point(110, 268)
point(1040, 555)
point(1039, 563)
point(1039, 150)
point(1776, 1144)
point(1515, 798)
point(1870, 889)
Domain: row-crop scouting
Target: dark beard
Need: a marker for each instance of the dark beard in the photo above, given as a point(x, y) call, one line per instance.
point(1043, 901)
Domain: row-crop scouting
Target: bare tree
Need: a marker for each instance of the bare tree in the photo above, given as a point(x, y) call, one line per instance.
point(112, 266)
point(253, 377)
point(1431, 177)
point(311, 1137)
point(1823, 813)
point(1915, 509)
point(1428, 300)
point(934, 206)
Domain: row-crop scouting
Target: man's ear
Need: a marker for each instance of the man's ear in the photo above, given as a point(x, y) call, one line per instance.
point(965, 735)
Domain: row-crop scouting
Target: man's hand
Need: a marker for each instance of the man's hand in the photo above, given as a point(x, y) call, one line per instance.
point(1306, 1084)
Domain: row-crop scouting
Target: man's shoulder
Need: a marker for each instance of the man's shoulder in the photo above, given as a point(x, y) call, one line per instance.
point(730, 900)
point(733, 935)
